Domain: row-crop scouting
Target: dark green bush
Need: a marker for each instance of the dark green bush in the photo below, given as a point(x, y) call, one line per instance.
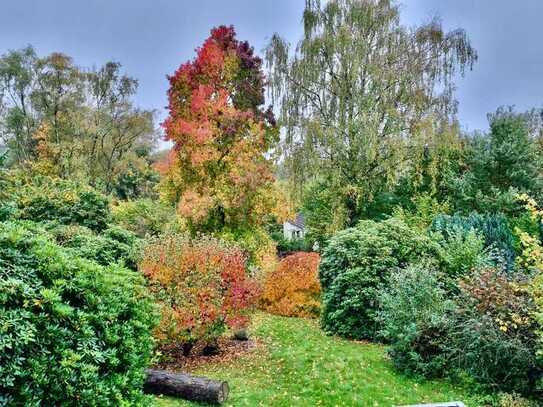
point(73, 333)
point(493, 227)
point(289, 246)
point(355, 266)
point(8, 210)
point(112, 245)
point(66, 202)
point(416, 317)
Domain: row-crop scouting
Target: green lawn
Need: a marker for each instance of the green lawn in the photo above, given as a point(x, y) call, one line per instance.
point(301, 366)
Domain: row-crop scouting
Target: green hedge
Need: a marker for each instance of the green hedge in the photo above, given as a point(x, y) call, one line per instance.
point(72, 332)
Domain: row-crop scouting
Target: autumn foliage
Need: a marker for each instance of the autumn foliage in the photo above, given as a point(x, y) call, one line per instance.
point(293, 288)
point(218, 173)
point(202, 286)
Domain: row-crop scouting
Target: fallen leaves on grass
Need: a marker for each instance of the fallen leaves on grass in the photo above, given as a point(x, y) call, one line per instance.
point(229, 350)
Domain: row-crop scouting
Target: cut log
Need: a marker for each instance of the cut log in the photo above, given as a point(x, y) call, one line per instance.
point(185, 386)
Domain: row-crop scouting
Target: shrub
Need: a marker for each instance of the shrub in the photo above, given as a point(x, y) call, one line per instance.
point(356, 264)
point(8, 211)
point(112, 245)
point(530, 258)
point(257, 245)
point(289, 246)
point(202, 285)
point(494, 338)
point(144, 217)
point(493, 227)
point(514, 400)
point(416, 317)
point(73, 332)
point(461, 252)
point(293, 289)
point(424, 209)
point(50, 199)
point(537, 292)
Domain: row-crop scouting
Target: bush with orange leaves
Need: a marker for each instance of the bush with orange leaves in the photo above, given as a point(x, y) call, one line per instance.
point(202, 286)
point(293, 288)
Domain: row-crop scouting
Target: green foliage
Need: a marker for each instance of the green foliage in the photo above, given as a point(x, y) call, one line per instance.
point(73, 332)
point(8, 210)
point(136, 182)
point(501, 164)
point(416, 316)
point(113, 245)
point(537, 292)
point(287, 246)
point(493, 227)
point(323, 212)
point(494, 337)
point(424, 209)
point(356, 264)
point(144, 217)
point(339, 127)
point(461, 252)
point(52, 199)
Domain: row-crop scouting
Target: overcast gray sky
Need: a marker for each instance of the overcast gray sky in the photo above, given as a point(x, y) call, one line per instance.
point(152, 37)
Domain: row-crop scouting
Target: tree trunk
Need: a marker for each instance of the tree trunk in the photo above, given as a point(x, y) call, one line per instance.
point(185, 386)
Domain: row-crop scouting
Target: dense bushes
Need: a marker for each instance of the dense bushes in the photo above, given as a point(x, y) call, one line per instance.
point(495, 332)
point(73, 332)
point(202, 285)
point(416, 315)
point(494, 229)
point(447, 301)
point(293, 289)
point(112, 245)
point(66, 202)
point(355, 264)
point(460, 252)
point(144, 217)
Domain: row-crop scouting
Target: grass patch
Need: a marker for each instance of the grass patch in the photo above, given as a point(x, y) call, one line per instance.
point(301, 366)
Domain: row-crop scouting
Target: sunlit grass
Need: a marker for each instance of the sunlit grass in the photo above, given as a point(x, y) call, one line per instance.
point(301, 366)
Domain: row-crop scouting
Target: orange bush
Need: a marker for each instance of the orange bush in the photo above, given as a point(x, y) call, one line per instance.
point(202, 285)
point(293, 288)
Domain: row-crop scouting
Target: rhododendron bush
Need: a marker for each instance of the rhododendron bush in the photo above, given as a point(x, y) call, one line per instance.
point(202, 286)
point(218, 172)
point(293, 288)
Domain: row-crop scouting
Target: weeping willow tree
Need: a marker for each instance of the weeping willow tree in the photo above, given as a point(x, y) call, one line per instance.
point(357, 91)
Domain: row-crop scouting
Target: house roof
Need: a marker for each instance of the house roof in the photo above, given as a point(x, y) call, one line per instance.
point(298, 221)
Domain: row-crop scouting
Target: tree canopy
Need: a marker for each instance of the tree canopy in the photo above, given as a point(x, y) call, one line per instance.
point(71, 122)
point(358, 93)
point(218, 171)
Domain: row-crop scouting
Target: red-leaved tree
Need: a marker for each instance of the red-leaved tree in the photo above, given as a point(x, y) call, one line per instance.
point(218, 172)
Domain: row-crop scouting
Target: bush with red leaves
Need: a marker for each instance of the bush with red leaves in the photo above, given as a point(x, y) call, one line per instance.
point(202, 286)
